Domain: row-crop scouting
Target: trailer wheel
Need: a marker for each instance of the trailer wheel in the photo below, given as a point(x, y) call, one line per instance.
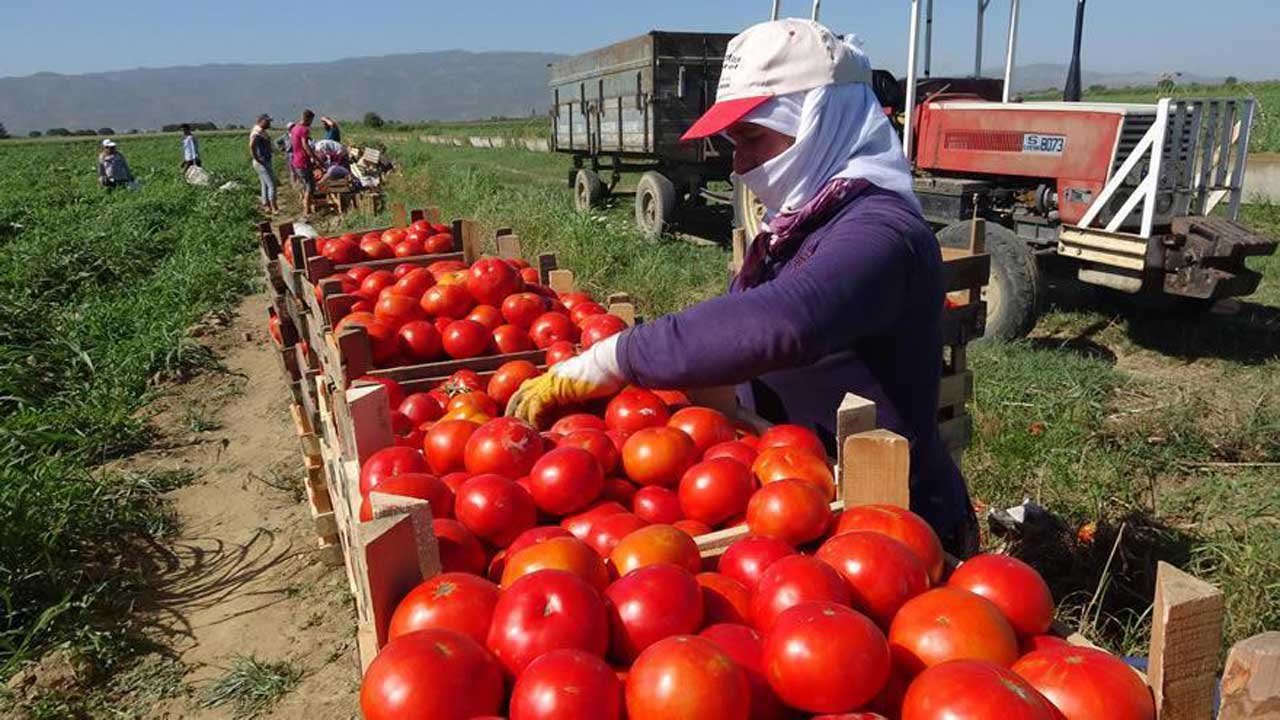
point(588, 191)
point(1014, 294)
point(655, 204)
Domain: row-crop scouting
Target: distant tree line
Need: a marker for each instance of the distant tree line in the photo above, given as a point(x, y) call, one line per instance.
point(4, 134)
point(175, 127)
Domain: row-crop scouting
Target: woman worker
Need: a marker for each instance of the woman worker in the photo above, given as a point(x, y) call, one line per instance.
point(842, 292)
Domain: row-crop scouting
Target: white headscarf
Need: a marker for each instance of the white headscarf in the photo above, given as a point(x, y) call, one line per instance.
point(841, 132)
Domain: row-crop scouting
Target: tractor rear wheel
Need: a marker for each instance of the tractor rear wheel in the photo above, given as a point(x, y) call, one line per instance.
point(1015, 292)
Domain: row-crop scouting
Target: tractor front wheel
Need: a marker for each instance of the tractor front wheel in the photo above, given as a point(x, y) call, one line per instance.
point(1015, 292)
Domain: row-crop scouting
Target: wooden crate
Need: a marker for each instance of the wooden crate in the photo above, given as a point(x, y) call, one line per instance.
point(319, 504)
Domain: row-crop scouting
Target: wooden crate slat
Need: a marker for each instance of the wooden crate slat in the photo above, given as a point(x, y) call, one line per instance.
point(956, 432)
point(966, 271)
point(875, 468)
point(1251, 680)
point(955, 390)
point(1186, 637)
point(963, 324)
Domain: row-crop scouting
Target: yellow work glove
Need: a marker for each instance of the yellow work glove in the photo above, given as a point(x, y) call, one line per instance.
point(593, 374)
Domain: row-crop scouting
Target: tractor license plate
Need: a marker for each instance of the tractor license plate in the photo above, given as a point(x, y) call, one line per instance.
point(1046, 144)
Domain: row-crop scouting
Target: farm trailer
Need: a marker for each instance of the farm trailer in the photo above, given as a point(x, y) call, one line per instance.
point(623, 108)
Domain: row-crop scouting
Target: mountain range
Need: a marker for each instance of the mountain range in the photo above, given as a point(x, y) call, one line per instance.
point(446, 85)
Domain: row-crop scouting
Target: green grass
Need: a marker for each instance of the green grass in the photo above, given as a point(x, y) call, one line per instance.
point(250, 686)
point(97, 291)
point(1101, 417)
point(1266, 130)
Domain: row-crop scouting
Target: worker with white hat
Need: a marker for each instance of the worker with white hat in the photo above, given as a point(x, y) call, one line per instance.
point(841, 292)
point(113, 169)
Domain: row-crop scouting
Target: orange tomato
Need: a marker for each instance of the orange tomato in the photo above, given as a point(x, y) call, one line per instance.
point(789, 463)
point(653, 545)
point(557, 553)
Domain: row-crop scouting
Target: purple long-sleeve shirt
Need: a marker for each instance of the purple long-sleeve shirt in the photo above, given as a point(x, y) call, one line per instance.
point(856, 307)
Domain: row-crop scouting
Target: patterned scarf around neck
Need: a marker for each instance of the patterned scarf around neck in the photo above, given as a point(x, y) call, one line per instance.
point(786, 231)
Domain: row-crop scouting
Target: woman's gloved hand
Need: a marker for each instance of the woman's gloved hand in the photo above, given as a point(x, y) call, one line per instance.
point(593, 374)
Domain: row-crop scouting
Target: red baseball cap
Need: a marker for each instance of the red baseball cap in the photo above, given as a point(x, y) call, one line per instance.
point(777, 58)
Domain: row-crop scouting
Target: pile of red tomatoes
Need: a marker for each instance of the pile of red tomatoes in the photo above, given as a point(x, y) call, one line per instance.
point(573, 586)
point(419, 238)
point(415, 314)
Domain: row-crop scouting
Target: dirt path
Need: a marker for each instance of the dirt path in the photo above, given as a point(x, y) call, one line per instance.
point(242, 578)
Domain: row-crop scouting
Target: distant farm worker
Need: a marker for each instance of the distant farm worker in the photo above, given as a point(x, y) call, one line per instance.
point(190, 148)
point(113, 169)
point(331, 129)
point(841, 292)
point(303, 160)
point(260, 152)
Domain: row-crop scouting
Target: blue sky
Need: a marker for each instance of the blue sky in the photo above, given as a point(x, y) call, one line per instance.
point(76, 36)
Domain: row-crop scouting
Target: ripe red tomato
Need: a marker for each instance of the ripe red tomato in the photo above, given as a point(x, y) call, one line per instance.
point(521, 309)
point(438, 243)
point(438, 674)
point(486, 315)
point(511, 339)
point(715, 490)
point(950, 624)
point(747, 559)
point(465, 339)
point(882, 573)
point(491, 280)
point(581, 311)
point(357, 274)
point(652, 603)
point(419, 340)
point(599, 445)
point(445, 445)
point(657, 505)
point(635, 409)
point(508, 378)
point(789, 510)
point(1011, 585)
point(460, 551)
point(793, 580)
point(1032, 643)
point(734, 450)
point(472, 400)
point(449, 301)
point(655, 545)
point(693, 527)
point(403, 269)
point(901, 525)
point(975, 689)
point(420, 408)
point(396, 310)
point(787, 463)
point(445, 267)
point(1086, 683)
point(580, 525)
point(744, 646)
point(340, 251)
point(577, 421)
point(374, 283)
point(560, 350)
point(710, 685)
point(825, 657)
point(494, 508)
point(544, 611)
point(724, 600)
point(572, 299)
point(389, 462)
point(598, 327)
point(557, 553)
point(463, 380)
point(414, 485)
point(452, 601)
point(393, 236)
point(657, 456)
point(704, 426)
point(793, 436)
point(506, 446)
point(619, 490)
point(607, 532)
point(567, 685)
point(529, 275)
point(273, 329)
point(565, 480)
point(408, 247)
point(551, 327)
point(414, 282)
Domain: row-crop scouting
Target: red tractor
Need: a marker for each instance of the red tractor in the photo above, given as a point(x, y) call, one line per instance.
point(1123, 195)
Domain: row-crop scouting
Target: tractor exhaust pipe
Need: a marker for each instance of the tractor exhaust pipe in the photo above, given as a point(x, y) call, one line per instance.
point(1071, 93)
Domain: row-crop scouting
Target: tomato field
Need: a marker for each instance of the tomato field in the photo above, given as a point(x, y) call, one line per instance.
point(97, 292)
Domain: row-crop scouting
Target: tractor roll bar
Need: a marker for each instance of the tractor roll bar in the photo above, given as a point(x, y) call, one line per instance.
point(777, 8)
